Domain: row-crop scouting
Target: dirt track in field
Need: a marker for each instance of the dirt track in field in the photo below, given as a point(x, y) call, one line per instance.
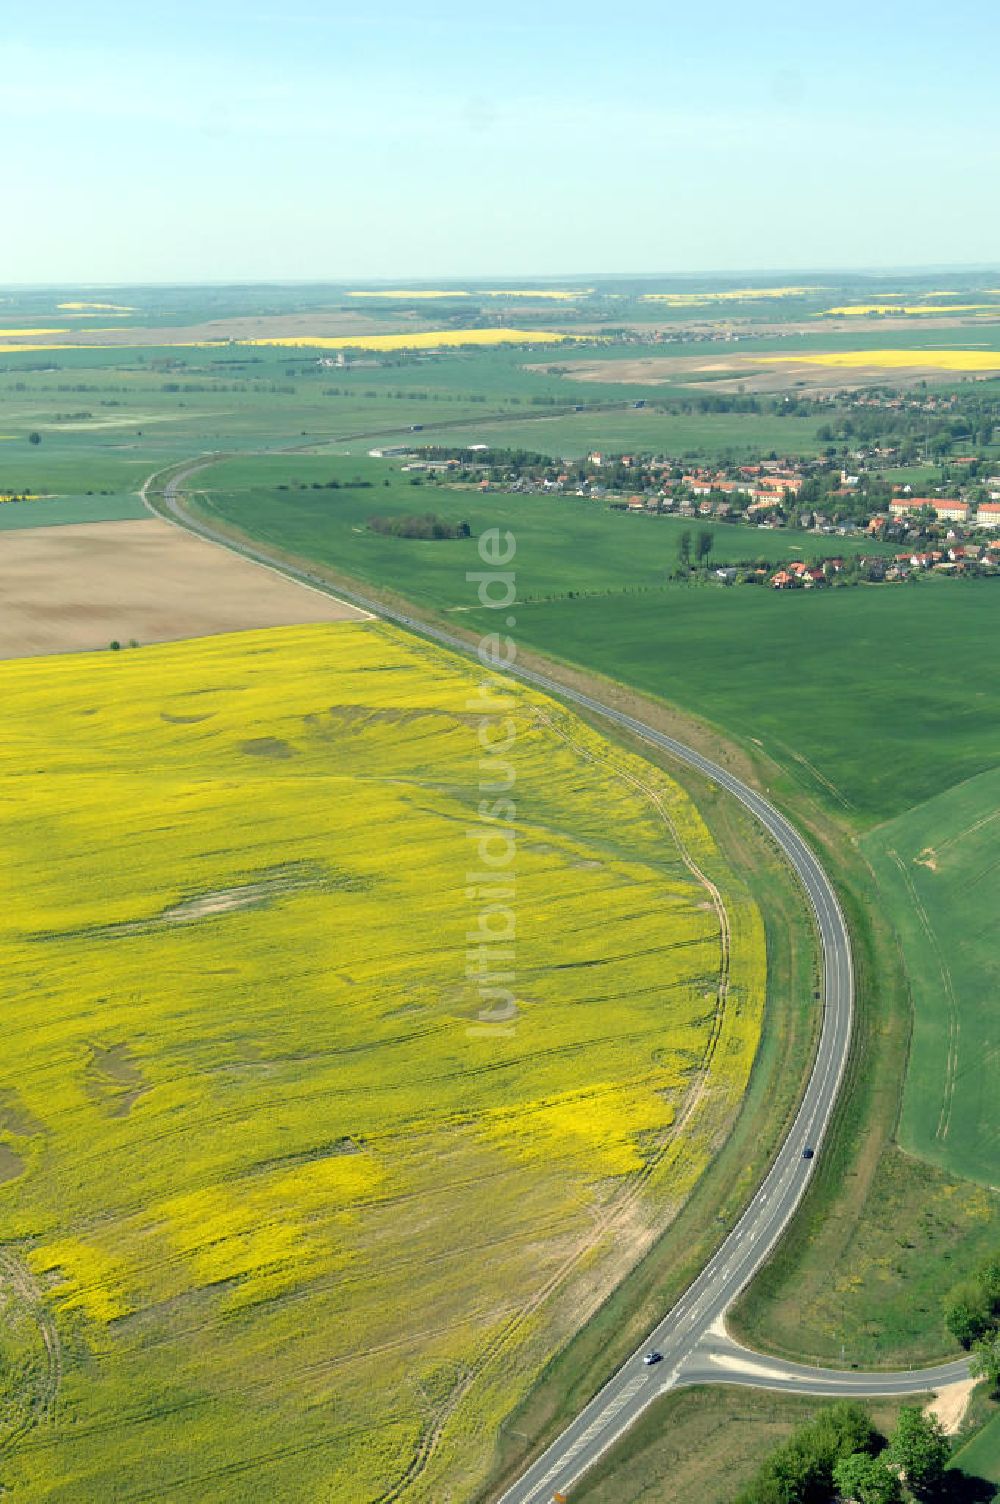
point(79, 587)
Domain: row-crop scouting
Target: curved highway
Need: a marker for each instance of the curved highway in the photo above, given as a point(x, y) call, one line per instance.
point(688, 1334)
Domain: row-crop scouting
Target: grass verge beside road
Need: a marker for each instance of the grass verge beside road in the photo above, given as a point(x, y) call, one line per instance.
point(700, 1446)
point(861, 1274)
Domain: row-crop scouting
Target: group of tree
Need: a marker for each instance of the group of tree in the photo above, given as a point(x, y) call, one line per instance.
point(702, 545)
point(426, 526)
point(972, 1314)
point(905, 423)
point(841, 1456)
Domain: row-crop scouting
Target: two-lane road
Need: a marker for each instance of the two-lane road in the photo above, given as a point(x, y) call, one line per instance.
point(685, 1335)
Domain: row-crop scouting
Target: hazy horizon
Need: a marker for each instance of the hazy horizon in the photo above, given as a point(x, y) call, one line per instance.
point(220, 143)
point(440, 278)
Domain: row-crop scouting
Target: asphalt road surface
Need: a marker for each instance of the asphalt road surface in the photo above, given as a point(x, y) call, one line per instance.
point(691, 1331)
point(719, 1360)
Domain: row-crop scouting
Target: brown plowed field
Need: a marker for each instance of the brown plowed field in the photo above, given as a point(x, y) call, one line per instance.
point(74, 588)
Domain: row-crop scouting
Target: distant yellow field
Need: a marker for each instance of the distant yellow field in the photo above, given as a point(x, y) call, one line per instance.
point(431, 339)
point(100, 307)
point(740, 294)
point(942, 360)
point(28, 333)
point(850, 310)
point(282, 1213)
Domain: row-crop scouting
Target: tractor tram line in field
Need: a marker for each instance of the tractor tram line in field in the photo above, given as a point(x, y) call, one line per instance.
point(690, 1342)
point(695, 1092)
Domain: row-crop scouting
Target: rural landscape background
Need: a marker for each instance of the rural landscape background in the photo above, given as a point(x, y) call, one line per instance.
point(283, 1209)
point(500, 684)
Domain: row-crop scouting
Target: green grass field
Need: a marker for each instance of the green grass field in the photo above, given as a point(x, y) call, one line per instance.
point(565, 544)
point(853, 694)
point(644, 431)
point(58, 510)
point(980, 1457)
point(120, 401)
point(938, 868)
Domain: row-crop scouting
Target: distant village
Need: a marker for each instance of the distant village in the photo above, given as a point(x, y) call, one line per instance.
point(942, 533)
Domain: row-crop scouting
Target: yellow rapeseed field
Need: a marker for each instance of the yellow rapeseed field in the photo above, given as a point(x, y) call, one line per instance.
point(28, 333)
point(429, 339)
point(854, 310)
point(285, 1213)
point(99, 307)
point(941, 360)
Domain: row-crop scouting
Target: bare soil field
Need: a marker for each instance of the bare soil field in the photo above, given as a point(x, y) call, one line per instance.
point(267, 326)
point(746, 373)
point(80, 587)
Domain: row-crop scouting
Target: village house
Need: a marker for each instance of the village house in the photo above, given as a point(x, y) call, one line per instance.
point(945, 508)
point(781, 484)
point(988, 514)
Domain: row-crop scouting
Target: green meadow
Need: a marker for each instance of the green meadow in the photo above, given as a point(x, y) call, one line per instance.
point(58, 510)
point(856, 694)
point(939, 869)
point(566, 543)
point(645, 430)
point(160, 399)
point(980, 1457)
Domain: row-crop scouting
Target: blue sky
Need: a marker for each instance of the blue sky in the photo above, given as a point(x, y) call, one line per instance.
point(224, 141)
